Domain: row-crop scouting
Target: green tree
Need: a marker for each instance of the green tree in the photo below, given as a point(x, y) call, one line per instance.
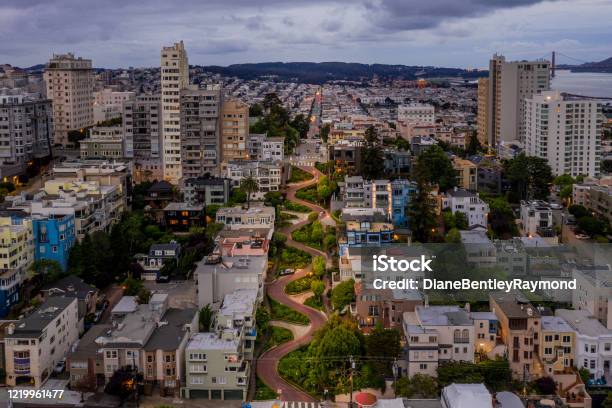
point(249, 185)
point(132, 286)
point(529, 176)
point(343, 294)
point(318, 287)
point(372, 160)
point(501, 217)
point(383, 345)
point(256, 110)
point(434, 167)
point(316, 232)
point(578, 211)
point(325, 188)
point(592, 226)
point(461, 221)
point(47, 270)
point(419, 386)
point(422, 216)
point(318, 266)
point(453, 236)
point(459, 372)
point(301, 124)
point(271, 100)
point(205, 318)
point(607, 403)
point(473, 146)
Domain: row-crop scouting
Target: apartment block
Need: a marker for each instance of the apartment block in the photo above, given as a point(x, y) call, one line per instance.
point(26, 126)
point(268, 175)
point(36, 343)
point(565, 131)
point(234, 130)
point(467, 174)
point(151, 339)
point(483, 111)
point(174, 78)
point(557, 350)
point(108, 104)
point(593, 346)
point(200, 128)
point(382, 306)
point(239, 218)
point(54, 236)
point(392, 196)
point(436, 334)
point(470, 204)
point(596, 195)
point(521, 331)
point(593, 291)
point(217, 362)
point(510, 83)
point(536, 218)
point(16, 254)
point(261, 147)
point(416, 114)
point(142, 125)
point(105, 142)
point(69, 83)
point(207, 191)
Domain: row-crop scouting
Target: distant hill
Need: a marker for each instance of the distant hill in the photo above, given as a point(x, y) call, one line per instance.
point(320, 72)
point(601, 66)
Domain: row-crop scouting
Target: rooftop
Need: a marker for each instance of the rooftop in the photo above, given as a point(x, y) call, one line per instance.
point(443, 316)
point(555, 324)
point(70, 286)
point(583, 322)
point(183, 207)
point(32, 325)
point(514, 305)
point(127, 304)
point(171, 331)
point(87, 346)
point(211, 341)
point(239, 303)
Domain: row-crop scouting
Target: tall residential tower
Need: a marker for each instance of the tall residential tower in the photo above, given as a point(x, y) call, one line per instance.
point(69, 83)
point(174, 77)
point(510, 83)
point(564, 131)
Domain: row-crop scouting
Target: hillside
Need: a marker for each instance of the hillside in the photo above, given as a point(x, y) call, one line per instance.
point(601, 66)
point(321, 72)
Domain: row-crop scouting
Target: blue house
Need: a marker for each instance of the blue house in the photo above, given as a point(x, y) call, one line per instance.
point(402, 192)
point(54, 236)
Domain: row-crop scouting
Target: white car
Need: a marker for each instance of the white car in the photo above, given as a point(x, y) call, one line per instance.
point(582, 236)
point(555, 206)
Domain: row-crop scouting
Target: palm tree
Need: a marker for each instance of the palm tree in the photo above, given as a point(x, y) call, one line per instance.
point(249, 185)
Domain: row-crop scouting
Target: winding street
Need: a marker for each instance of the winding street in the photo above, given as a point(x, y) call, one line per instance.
point(267, 365)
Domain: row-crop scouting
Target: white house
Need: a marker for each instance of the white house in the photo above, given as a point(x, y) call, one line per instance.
point(468, 203)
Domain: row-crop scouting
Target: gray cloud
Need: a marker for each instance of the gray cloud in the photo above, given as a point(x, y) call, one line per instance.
point(130, 32)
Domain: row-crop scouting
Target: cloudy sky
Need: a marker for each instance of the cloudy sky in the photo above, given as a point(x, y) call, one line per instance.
point(459, 33)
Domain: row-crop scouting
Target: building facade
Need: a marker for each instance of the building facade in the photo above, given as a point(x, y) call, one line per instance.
point(564, 131)
point(70, 86)
point(174, 77)
point(234, 130)
point(142, 125)
point(200, 149)
point(510, 83)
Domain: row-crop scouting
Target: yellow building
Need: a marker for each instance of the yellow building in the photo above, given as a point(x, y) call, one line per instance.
point(482, 118)
point(234, 130)
point(557, 346)
point(16, 256)
point(467, 174)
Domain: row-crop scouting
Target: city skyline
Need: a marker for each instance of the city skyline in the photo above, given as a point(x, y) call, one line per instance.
point(439, 33)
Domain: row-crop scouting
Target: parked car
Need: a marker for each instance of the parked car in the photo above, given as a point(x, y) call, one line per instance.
point(288, 271)
point(60, 367)
point(555, 206)
point(163, 279)
point(582, 236)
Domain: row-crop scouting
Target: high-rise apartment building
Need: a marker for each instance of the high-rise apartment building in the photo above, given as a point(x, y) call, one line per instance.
point(199, 122)
point(482, 118)
point(142, 125)
point(26, 125)
point(234, 130)
point(564, 131)
point(70, 86)
point(174, 77)
point(510, 83)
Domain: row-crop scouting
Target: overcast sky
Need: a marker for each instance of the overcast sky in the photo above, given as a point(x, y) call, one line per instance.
point(453, 33)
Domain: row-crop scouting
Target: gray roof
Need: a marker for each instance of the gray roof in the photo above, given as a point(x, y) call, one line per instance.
point(461, 193)
point(169, 336)
point(70, 286)
point(583, 322)
point(87, 346)
point(32, 325)
point(443, 316)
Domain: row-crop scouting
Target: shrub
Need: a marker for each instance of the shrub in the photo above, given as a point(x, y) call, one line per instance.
point(296, 207)
point(299, 175)
point(285, 313)
point(343, 294)
point(299, 285)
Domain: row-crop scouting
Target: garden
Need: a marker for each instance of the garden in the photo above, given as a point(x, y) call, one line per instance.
point(298, 175)
point(293, 258)
point(285, 313)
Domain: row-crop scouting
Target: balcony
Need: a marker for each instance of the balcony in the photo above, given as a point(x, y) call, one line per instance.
point(461, 340)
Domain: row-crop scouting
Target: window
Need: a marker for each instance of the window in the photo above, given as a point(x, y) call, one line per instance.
point(111, 354)
point(423, 366)
point(607, 346)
